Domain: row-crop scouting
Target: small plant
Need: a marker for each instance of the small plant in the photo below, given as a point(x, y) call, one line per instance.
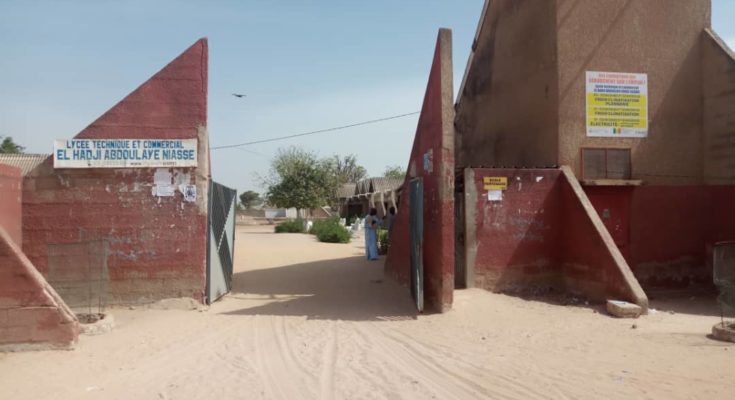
point(333, 233)
point(383, 241)
point(291, 226)
point(320, 224)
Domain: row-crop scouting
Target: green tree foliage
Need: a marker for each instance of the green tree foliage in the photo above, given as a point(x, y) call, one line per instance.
point(249, 199)
point(299, 179)
point(346, 169)
point(394, 171)
point(8, 146)
point(343, 170)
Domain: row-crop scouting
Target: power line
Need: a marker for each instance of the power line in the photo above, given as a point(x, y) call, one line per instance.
point(315, 132)
point(252, 152)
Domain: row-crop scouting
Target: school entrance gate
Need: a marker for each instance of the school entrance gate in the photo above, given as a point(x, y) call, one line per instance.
point(221, 241)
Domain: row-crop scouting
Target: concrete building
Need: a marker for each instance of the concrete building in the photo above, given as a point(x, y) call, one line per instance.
point(356, 199)
point(634, 99)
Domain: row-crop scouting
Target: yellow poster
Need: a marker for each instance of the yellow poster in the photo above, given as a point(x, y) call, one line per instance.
point(617, 104)
point(495, 183)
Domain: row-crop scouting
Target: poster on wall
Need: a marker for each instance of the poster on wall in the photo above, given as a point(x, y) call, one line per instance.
point(617, 104)
point(125, 153)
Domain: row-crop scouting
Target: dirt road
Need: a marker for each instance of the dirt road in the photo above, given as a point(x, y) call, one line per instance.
point(308, 320)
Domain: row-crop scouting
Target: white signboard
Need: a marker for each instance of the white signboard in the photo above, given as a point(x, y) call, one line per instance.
point(617, 104)
point(125, 153)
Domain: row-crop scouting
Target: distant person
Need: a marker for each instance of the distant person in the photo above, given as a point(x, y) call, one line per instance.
point(372, 222)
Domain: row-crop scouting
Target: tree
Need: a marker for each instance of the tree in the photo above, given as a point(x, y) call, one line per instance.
point(346, 169)
point(249, 198)
point(8, 146)
point(394, 171)
point(299, 179)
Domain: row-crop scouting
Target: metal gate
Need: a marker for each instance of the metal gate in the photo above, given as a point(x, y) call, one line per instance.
point(416, 226)
point(221, 246)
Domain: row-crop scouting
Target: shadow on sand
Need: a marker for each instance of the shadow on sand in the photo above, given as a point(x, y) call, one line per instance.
point(341, 289)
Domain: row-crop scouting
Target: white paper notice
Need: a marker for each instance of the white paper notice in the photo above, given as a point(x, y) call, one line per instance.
point(190, 192)
point(165, 190)
point(162, 186)
point(495, 195)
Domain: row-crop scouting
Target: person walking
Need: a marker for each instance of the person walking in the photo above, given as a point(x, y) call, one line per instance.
point(372, 222)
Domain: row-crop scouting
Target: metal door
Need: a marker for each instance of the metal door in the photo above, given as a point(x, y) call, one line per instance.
point(220, 249)
point(416, 226)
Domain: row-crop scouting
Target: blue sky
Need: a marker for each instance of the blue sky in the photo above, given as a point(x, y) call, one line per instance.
point(304, 65)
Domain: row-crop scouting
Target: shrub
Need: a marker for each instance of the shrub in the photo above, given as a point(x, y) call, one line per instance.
point(320, 224)
point(333, 233)
point(383, 241)
point(291, 226)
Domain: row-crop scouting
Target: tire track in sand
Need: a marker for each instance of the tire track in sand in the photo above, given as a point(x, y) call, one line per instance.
point(282, 376)
point(329, 359)
point(426, 353)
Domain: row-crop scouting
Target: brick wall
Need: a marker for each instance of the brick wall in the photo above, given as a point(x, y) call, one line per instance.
point(432, 161)
point(10, 202)
point(514, 242)
point(541, 234)
point(32, 315)
point(156, 246)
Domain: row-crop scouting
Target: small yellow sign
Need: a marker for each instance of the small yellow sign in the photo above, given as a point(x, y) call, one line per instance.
point(495, 182)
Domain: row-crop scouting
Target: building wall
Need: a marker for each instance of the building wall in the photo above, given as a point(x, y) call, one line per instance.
point(669, 226)
point(32, 315)
point(10, 202)
point(593, 266)
point(673, 230)
point(156, 246)
point(659, 37)
point(513, 244)
point(718, 81)
point(543, 235)
point(507, 110)
point(432, 160)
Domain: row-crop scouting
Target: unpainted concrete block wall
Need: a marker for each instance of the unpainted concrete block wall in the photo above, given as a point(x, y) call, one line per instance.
point(157, 245)
point(32, 315)
point(432, 160)
point(718, 82)
point(658, 37)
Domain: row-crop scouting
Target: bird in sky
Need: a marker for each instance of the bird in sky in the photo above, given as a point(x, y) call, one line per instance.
point(239, 95)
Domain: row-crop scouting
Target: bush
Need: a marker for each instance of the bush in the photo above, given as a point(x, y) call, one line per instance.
point(383, 241)
point(320, 224)
point(333, 233)
point(330, 230)
point(291, 226)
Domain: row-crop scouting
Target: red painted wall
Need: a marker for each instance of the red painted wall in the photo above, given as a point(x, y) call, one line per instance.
point(672, 230)
point(592, 265)
point(434, 141)
point(30, 311)
point(10, 202)
point(543, 235)
point(157, 245)
point(517, 238)
point(669, 227)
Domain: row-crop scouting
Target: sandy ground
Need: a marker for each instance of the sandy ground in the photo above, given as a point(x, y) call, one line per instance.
point(308, 320)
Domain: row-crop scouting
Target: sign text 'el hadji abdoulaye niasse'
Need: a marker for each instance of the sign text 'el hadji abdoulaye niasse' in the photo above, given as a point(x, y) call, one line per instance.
point(125, 153)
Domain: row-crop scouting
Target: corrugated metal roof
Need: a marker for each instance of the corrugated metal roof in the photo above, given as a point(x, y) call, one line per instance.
point(25, 162)
point(381, 184)
point(347, 190)
point(377, 184)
